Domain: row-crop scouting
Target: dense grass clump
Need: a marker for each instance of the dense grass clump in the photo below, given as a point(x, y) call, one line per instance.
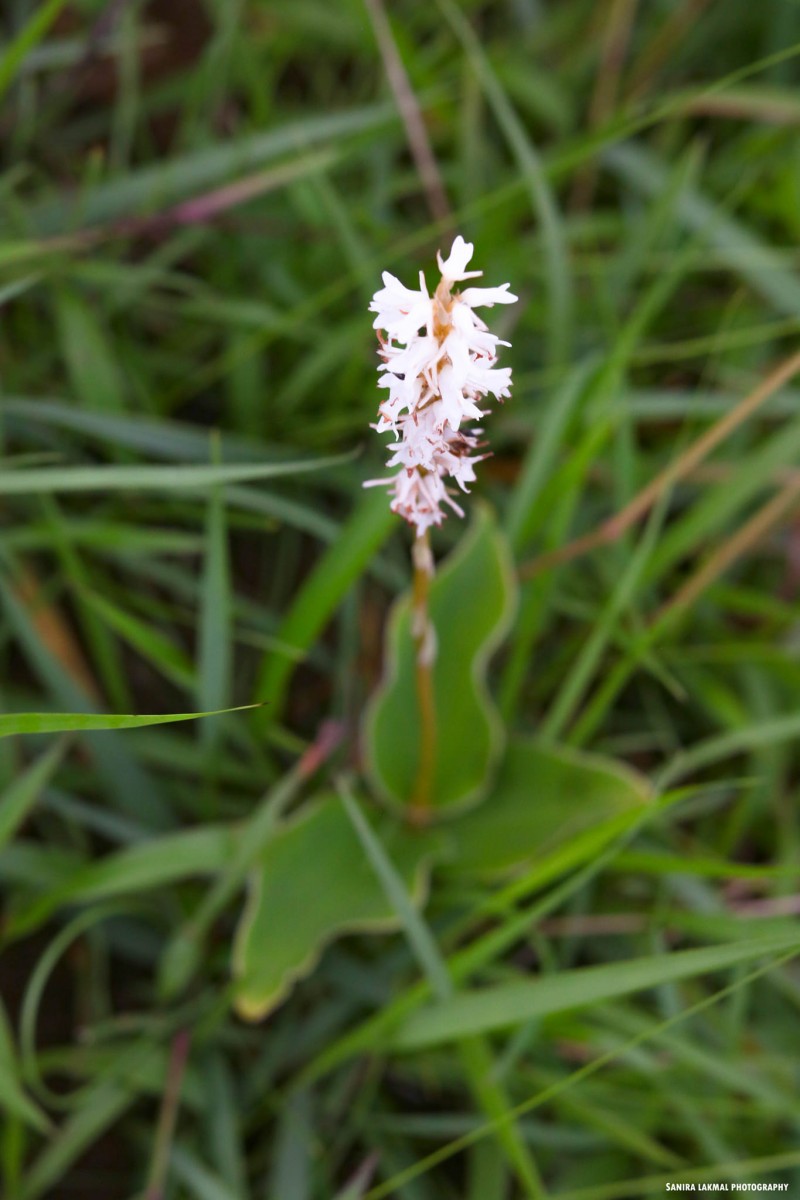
point(235, 960)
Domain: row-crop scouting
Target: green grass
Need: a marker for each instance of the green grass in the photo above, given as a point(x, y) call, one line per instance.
point(196, 203)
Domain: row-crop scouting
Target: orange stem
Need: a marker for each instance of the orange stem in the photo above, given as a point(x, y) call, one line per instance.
point(423, 635)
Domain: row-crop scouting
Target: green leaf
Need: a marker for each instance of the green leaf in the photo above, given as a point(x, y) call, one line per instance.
point(295, 1135)
point(90, 360)
point(167, 479)
point(17, 801)
point(127, 783)
point(14, 723)
point(11, 290)
point(475, 1056)
point(156, 647)
point(102, 1105)
point(290, 915)
point(159, 185)
point(14, 53)
point(531, 170)
point(543, 798)
point(12, 1096)
point(357, 1187)
point(214, 673)
point(471, 601)
point(201, 1182)
point(510, 1004)
point(183, 954)
point(419, 937)
point(157, 862)
point(322, 592)
point(542, 456)
point(585, 666)
point(742, 251)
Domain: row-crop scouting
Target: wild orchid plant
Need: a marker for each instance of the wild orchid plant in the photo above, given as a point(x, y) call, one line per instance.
point(439, 365)
point(452, 785)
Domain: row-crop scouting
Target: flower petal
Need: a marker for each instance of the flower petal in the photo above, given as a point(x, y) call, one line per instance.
point(453, 268)
point(477, 297)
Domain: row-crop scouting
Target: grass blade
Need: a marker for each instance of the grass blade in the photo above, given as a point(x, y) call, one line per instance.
point(508, 1005)
point(19, 723)
point(15, 53)
point(147, 478)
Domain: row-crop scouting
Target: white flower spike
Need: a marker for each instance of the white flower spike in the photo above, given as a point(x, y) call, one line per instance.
point(436, 381)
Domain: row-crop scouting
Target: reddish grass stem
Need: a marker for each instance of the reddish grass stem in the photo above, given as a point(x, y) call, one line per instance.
point(168, 1116)
point(613, 529)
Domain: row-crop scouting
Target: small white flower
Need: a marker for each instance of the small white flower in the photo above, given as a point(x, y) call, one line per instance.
point(401, 311)
point(453, 266)
point(456, 404)
point(485, 380)
point(435, 380)
point(486, 297)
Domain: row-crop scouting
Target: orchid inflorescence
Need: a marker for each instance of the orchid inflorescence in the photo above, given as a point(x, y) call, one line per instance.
point(436, 381)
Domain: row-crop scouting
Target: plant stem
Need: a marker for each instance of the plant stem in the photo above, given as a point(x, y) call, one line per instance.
point(168, 1116)
point(424, 637)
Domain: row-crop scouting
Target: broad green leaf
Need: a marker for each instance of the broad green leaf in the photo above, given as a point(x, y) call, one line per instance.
point(510, 1004)
point(471, 600)
point(577, 863)
point(184, 951)
point(421, 941)
point(474, 1055)
point(291, 914)
point(14, 723)
point(543, 798)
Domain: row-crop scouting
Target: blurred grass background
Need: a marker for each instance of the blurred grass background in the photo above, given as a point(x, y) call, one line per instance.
point(197, 198)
